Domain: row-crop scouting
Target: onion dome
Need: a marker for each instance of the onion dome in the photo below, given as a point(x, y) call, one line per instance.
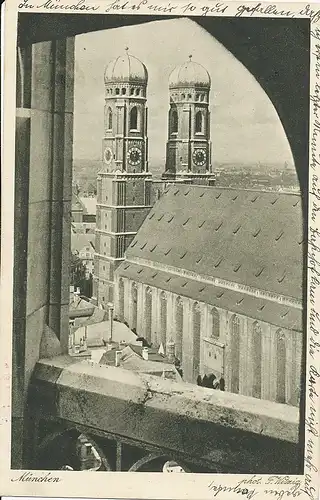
point(126, 69)
point(189, 74)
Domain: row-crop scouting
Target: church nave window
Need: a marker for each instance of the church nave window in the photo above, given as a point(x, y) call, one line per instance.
point(163, 318)
point(235, 352)
point(179, 328)
point(281, 367)
point(196, 331)
point(215, 332)
point(148, 313)
point(121, 299)
point(134, 304)
point(256, 359)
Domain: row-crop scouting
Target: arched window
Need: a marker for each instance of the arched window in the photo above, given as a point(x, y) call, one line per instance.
point(196, 327)
point(174, 121)
point(235, 352)
point(199, 121)
point(109, 118)
point(148, 313)
point(121, 299)
point(131, 91)
point(163, 319)
point(123, 91)
point(183, 96)
point(117, 91)
point(281, 367)
point(215, 332)
point(256, 359)
point(133, 118)
point(134, 305)
point(138, 91)
point(179, 328)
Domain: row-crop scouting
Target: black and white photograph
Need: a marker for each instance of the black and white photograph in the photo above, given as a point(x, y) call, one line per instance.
point(161, 176)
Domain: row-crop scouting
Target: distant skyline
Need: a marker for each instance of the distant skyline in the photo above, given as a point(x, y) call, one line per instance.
point(245, 127)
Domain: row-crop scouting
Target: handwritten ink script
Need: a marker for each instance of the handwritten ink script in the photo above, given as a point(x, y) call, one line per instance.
point(165, 7)
point(32, 477)
point(313, 375)
point(276, 487)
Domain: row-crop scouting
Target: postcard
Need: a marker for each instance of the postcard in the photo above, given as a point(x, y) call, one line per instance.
point(160, 249)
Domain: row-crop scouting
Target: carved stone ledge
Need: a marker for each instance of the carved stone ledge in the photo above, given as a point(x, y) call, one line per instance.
point(198, 423)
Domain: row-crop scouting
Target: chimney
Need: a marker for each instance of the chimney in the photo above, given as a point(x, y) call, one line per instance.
point(145, 353)
point(118, 354)
point(171, 351)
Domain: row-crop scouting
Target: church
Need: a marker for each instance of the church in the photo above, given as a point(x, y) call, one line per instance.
point(216, 271)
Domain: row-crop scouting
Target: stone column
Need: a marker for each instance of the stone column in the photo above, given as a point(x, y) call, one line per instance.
point(61, 185)
point(42, 218)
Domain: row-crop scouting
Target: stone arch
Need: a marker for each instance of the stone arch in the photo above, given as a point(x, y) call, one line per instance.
point(256, 359)
point(235, 352)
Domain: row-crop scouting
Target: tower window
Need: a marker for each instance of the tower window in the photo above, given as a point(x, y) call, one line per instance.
point(131, 91)
point(137, 91)
point(199, 121)
point(117, 91)
point(134, 118)
point(123, 91)
point(174, 122)
point(183, 96)
point(109, 119)
point(189, 96)
point(197, 97)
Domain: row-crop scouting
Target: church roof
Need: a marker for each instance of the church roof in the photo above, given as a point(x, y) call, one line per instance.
point(189, 73)
point(250, 238)
point(126, 68)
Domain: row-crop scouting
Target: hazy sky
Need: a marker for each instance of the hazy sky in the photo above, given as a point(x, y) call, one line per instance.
point(245, 127)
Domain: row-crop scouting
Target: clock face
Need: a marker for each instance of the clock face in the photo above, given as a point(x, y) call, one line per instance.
point(199, 157)
point(107, 155)
point(134, 156)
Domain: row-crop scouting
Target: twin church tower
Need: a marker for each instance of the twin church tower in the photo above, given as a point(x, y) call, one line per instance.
point(125, 189)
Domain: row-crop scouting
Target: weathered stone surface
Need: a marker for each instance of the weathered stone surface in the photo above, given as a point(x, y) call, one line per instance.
point(196, 422)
